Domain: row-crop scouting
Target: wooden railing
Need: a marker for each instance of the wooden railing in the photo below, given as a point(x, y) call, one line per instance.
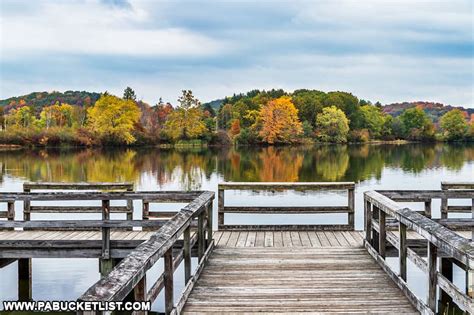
point(427, 196)
point(128, 279)
point(60, 186)
point(109, 251)
point(456, 186)
point(441, 243)
point(289, 209)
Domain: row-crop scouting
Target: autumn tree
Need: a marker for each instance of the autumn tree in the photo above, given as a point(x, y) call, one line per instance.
point(372, 119)
point(309, 103)
point(129, 94)
point(279, 121)
point(224, 116)
point(332, 125)
point(416, 125)
point(234, 128)
point(162, 112)
point(21, 117)
point(187, 120)
point(454, 125)
point(113, 118)
point(57, 115)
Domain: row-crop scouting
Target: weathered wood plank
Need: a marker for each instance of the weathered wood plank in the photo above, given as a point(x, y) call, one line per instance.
point(162, 196)
point(242, 239)
point(292, 280)
point(277, 239)
point(260, 239)
point(286, 186)
point(75, 224)
point(251, 238)
point(323, 239)
point(76, 186)
point(287, 239)
point(268, 242)
point(76, 209)
point(288, 227)
point(425, 195)
point(287, 210)
point(457, 185)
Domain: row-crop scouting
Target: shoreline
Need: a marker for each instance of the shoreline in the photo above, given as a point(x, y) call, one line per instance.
point(9, 147)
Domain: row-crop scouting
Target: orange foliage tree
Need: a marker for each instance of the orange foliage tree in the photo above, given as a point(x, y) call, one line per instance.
point(235, 128)
point(279, 121)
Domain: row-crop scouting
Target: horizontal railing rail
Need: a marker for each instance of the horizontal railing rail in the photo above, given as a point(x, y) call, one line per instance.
point(128, 278)
point(278, 186)
point(29, 186)
point(163, 196)
point(457, 185)
point(441, 243)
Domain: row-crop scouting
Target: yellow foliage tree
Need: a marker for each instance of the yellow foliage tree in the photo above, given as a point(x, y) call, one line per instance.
point(114, 118)
point(186, 121)
point(57, 115)
point(279, 121)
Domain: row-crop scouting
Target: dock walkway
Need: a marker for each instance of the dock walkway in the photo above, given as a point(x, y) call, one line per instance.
point(317, 267)
point(290, 272)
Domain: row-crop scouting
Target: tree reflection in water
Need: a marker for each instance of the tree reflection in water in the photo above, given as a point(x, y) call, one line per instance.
point(188, 168)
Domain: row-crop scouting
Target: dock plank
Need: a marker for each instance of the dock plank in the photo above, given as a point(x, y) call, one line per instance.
point(304, 278)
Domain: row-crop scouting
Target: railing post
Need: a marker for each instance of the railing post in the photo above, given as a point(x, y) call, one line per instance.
point(25, 287)
point(145, 210)
point(105, 230)
point(470, 282)
point(187, 254)
point(220, 208)
point(444, 203)
point(209, 224)
point(428, 209)
point(11, 210)
point(130, 206)
point(402, 250)
point(168, 281)
point(140, 294)
point(472, 215)
point(446, 267)
point(368, 221)
point(26, 206)
point(382, 233)
point(351, 204)
point(26, 210)
point(432, 276)
point(200, 235)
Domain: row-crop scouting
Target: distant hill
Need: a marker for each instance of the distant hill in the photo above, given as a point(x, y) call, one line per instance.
point(80, 98)
point(433, 110)
point(40, 99)
point(215, 104)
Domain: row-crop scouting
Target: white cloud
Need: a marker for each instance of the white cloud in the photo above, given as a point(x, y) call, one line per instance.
point(379, 50)
point(92, 28)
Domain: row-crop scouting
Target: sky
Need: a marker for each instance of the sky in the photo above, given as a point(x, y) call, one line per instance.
point(379, 50)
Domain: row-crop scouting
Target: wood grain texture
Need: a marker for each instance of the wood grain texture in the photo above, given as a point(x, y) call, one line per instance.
point(340, 279)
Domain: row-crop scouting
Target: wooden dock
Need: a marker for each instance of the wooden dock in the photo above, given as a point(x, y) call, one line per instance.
point(311, 267)
point(291, 272)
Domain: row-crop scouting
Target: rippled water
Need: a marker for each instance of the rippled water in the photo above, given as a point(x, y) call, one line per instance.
point(409, 166)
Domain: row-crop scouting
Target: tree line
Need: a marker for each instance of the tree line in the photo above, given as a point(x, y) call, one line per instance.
point(257, 117)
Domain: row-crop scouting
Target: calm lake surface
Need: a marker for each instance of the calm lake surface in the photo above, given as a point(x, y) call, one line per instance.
point(408, 166)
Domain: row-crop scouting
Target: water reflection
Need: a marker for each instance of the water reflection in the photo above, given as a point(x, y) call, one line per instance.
point(190, 167)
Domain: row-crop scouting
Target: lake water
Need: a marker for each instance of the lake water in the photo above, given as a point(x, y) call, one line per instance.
point(408, 166)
